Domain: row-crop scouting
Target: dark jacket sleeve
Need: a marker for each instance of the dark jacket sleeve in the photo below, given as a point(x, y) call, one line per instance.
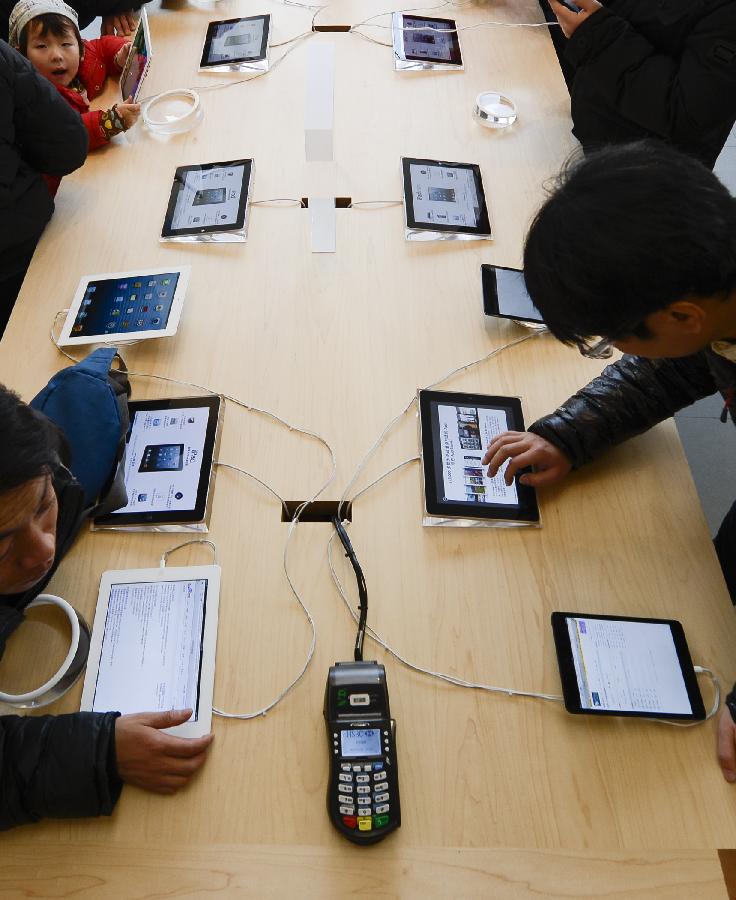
point(58, 766)
point(667, 67)
point(48, 132)
point(628, 397)
point(87, 10)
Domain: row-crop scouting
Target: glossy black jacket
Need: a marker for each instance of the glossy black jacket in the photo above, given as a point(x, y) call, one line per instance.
point(656, 68)
point(629, 397)
point(39, 132)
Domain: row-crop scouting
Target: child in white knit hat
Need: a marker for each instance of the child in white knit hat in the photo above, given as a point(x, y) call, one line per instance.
point(47, 33)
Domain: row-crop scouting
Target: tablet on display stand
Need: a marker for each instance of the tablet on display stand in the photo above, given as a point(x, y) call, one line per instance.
point(625, 666)
point(425, 44)
point(153, 644)
point(444, 201)
point(209, 203)
point(138, 62)
point(455, 431)
point(505, 296)
point(236, 45)
point(168, 465)
point(125, 306)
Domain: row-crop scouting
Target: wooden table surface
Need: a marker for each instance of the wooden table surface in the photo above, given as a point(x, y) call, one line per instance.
point(501, 797)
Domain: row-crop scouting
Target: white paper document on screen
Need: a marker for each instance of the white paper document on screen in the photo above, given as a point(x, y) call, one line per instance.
point(152, 647)
point(627, 666)
point(209, 198)
point(465, 432)
point(443, 195)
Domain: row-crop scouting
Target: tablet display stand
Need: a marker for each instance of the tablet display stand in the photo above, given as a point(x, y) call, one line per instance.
point(426, 234)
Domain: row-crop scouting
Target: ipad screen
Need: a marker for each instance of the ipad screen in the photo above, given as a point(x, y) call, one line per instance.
point(505, 294)
point(152, 647)
point(236, 40)
point(119, 305)
point(627, 666)
point(434, 40)
point(208, 198)
point(445, 196)
point(135, 66)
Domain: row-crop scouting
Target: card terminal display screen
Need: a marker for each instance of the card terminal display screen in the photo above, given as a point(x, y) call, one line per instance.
point(119, 305)
point(433, 40)
point(627, 666)
point(151, 653)
point(355, 742)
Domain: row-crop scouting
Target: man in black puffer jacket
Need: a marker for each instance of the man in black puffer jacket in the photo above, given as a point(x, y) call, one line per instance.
point(636, 249)
point(39, 132)
point(639, 68)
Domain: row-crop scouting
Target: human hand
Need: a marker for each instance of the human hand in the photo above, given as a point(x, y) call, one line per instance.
point(570, 20)
point(122, 54)
point(152, 760)
point(727, 745)
point(120, 23)
point(526, 449)
point(128, 112)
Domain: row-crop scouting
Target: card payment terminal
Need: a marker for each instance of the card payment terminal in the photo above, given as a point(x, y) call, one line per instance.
point(363, 788)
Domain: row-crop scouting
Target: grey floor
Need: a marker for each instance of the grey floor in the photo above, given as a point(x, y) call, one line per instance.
point(710, 445)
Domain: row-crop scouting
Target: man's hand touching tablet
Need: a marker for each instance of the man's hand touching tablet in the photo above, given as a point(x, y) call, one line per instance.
point(153, 760)
point(525, 449)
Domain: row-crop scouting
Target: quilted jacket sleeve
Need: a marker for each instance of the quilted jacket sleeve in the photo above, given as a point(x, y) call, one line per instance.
point(57, 766)
point(628, 397)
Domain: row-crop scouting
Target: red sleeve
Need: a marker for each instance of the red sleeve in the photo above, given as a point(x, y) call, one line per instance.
point(105, 48)
point(93, 123)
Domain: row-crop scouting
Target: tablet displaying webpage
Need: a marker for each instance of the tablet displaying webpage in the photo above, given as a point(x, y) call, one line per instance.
point(513, 298)
point(152, 647)
point(163, 459)
point(445, 195)
point(464, 433)
point(128, 304)
point(432, 39)
point(234, 41)
point(209, 197)
point(631, 666)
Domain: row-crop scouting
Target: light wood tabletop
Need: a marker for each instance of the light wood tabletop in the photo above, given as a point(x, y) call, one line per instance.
point(502, 797)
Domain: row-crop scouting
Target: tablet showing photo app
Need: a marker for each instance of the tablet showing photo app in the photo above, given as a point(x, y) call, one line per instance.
point(138, 61)
point(169, 451)
point(153, 644)
point(445, 197)
point(208, 199)
point(233, 43)
point(427, 40)
point(505, 295)
point(126, 306)
point(624, 666)
point(456, 430)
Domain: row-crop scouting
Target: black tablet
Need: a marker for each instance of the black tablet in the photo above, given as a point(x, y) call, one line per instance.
point(209, 198)
point(168, 462)
point(456, 429)
point(233, 41)
point(445, 197)
point(623, 666)
point(505, 295)
point(429, 40)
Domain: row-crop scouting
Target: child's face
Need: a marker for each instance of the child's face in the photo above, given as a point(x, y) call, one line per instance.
point(56, 57)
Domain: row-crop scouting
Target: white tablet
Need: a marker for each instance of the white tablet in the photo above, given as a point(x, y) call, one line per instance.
point(126, 306)
point(153, 644)
point(138, 61)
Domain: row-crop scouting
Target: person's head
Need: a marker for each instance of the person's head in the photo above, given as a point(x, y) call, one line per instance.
point(636, 245)
point(47, 32)
point(30, 453)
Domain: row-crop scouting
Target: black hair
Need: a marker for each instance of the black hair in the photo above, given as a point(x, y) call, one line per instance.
point(55, 23)
point(30, 444)
point(626, 232)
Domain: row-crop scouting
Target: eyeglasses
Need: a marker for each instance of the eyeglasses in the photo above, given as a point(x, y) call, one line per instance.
point(601, 349)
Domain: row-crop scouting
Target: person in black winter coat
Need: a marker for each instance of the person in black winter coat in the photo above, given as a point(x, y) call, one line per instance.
point(117, 15)
point(638, 68)
point(69, 765)
point(636, 249)
point(39, 132)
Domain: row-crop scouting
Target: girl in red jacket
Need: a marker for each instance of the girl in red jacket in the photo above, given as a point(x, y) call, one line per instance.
point(46, 32)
